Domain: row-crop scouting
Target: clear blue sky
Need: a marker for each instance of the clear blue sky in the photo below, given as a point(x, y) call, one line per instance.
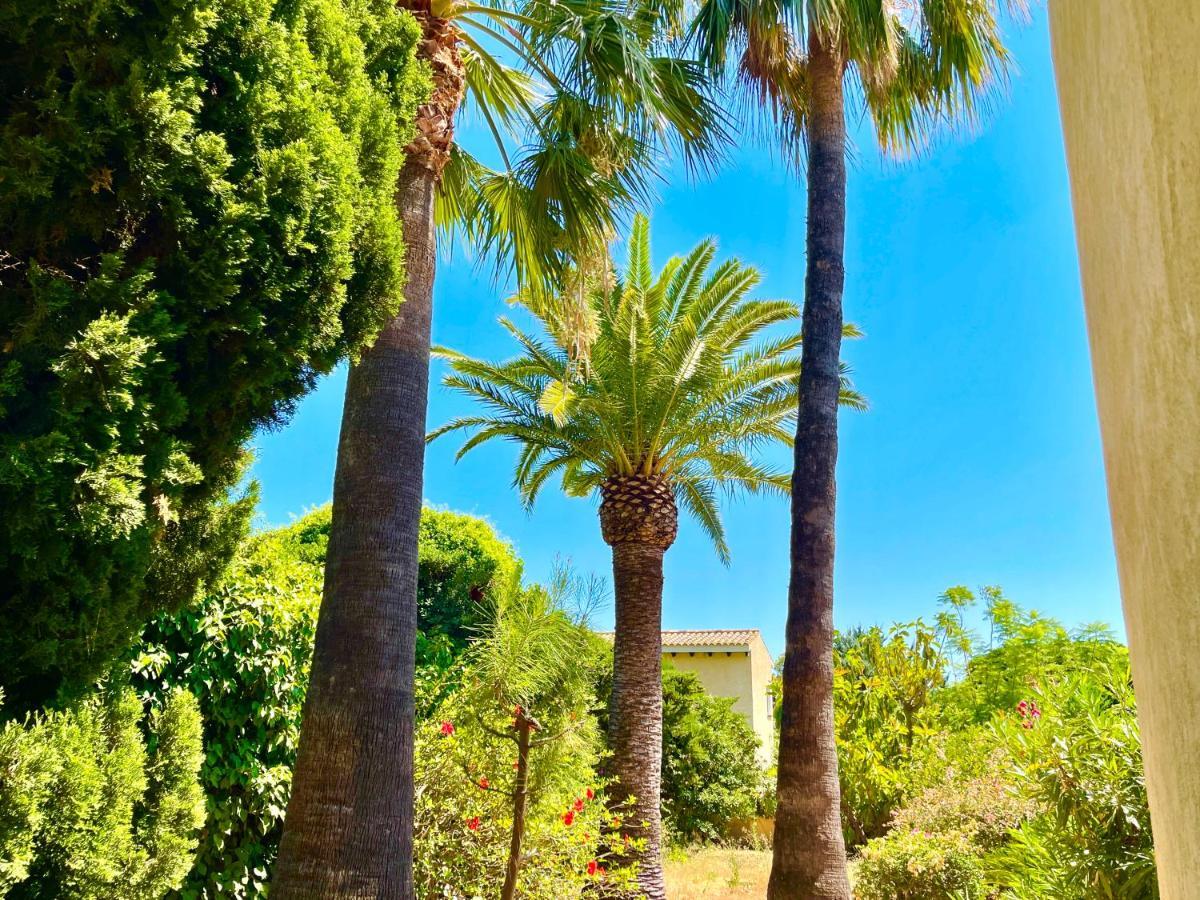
point(979, 461)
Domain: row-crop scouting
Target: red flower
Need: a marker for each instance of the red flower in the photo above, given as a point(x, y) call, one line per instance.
point(568, 817)
point(592, 867)
point(578, 804)
point(447, 728)
point(590, 793)
point(483, 783)
point(473, 823)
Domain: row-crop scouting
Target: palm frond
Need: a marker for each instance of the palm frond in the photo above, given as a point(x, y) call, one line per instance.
point(683, 382)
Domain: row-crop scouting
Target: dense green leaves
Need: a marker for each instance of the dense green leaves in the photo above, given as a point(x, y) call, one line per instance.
point(1008, 765)
point(89, 811)
point(712, 783)
point(196, 219)
point(244, 651)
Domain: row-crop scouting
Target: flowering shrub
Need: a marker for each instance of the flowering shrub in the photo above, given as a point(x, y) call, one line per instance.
point(243, 650)
point(465, 777)
point(1078, 755)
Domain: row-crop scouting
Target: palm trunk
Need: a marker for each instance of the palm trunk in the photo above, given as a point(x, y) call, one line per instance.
point(809, 854)
point(635, 710)
point(348, 831)
point(520, 794)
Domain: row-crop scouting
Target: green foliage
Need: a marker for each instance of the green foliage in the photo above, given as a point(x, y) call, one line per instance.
point(1028, 780)
point(883, 687)
point(87, 810)
point(937, 843)
point(911, 865)
point(1023, 650)
point(711, 779)
point(244, 651)
point(1081, 760)
point(674, 385)
point(196, 219)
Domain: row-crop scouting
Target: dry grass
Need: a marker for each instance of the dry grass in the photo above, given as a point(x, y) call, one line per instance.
point(715, 872)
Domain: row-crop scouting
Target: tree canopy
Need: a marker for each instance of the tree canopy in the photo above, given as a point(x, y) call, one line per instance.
point(196, 222)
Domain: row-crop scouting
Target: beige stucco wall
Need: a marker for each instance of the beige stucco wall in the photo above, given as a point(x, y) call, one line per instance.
point(1129, 90)
point(740, 673)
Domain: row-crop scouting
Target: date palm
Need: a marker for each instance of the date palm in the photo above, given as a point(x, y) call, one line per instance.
point(593, 97)
point(679, 393)
point(911, 65)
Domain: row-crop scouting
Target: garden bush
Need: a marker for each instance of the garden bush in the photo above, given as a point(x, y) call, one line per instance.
point(711, 778)
point(196, 220)
point(91, 808)
point(936, 847)
point(244, 651)
point(1077, 751)
point(911, 865)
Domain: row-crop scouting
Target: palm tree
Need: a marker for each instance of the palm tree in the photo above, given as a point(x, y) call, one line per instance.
point(596, 96)
point(910, 64)
point(670, 405)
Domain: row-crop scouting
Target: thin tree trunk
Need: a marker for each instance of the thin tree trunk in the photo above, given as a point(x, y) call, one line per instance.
point(809, 855)
point(635, 710)
point(348, 831)
point(520, 793)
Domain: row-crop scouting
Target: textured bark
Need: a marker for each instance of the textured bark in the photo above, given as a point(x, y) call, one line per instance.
point(523, 725)
point(348, 831)
point(809, 853)
point(639, 520)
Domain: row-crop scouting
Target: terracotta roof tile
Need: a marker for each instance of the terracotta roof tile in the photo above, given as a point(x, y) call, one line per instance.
point(716, 637)
point(713, 638)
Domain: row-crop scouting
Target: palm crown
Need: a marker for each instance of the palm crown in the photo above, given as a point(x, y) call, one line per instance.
point(596, 93)
point(675, 387)
point(913, 64)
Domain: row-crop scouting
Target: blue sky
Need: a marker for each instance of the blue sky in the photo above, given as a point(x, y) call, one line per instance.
point(979, 461)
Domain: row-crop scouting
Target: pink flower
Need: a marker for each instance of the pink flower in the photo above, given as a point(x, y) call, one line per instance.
point(447, 729)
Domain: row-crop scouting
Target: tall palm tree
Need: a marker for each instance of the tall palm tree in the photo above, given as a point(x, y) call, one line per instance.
point(595, 96)
point(670, 405)
point(911, 65)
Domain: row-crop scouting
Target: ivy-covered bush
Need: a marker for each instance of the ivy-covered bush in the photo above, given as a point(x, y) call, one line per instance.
point(711, 779)
point(196, 220)
point(92, 810)
point(244, 651)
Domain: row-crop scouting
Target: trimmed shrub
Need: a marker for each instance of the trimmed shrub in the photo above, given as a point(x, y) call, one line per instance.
point(88, 810)
point(912, 865)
